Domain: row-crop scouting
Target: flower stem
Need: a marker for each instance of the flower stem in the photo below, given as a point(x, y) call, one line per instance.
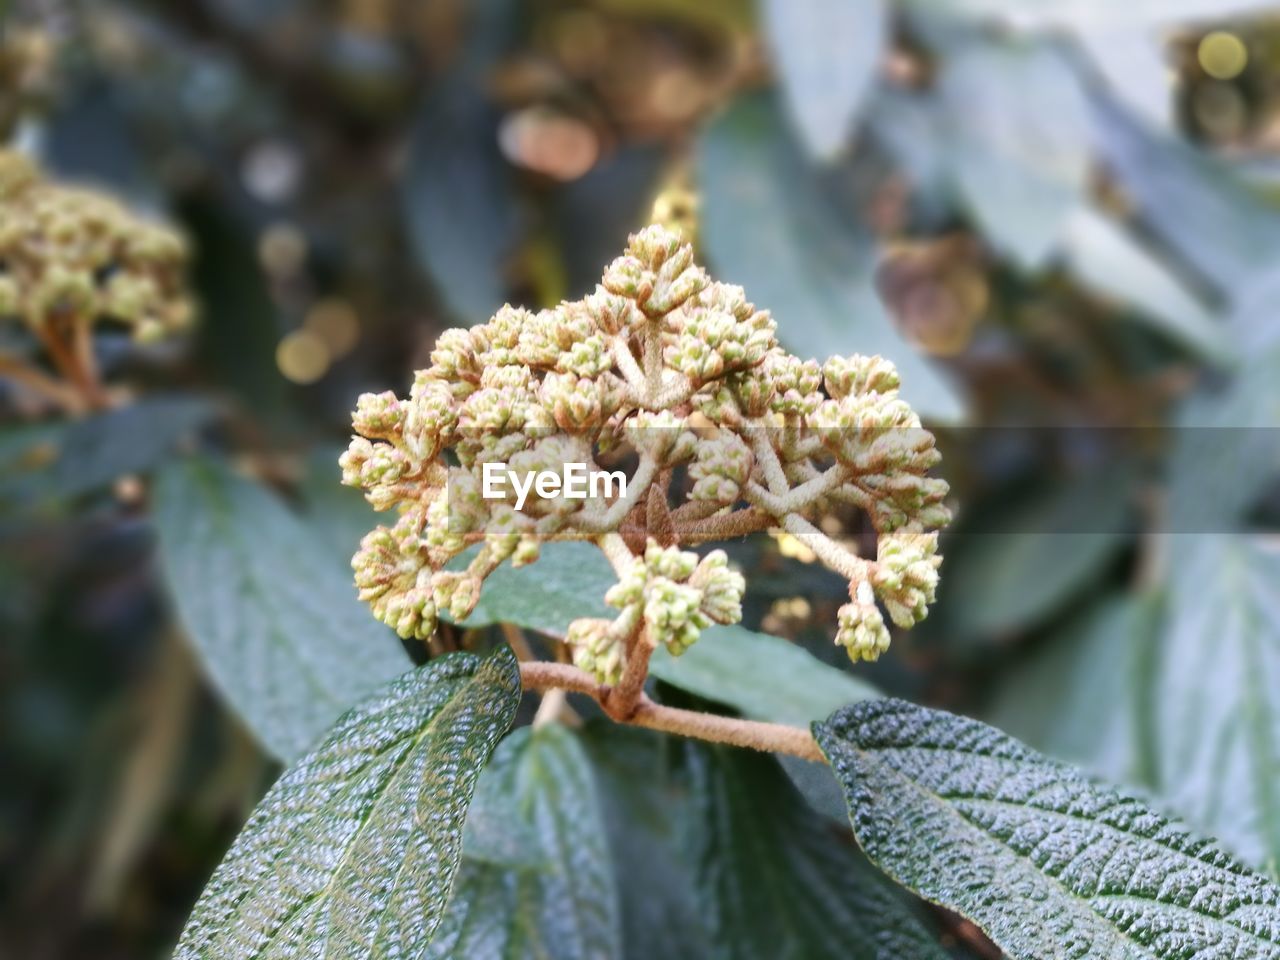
point(752, 734)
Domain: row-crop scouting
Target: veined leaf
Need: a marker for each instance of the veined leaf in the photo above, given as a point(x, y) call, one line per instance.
point(827, 53)
point(564, 907)
point(811, 265)
point(352, 853)
point(776, 883)
point(1083, 695)
point(1047, 862)
point(642, 793)
point(1217, 692)
point(269, 607)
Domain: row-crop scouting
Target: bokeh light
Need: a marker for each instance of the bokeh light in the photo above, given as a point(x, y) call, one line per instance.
point(336, 323)
point(1223, 55)
point(302, 356)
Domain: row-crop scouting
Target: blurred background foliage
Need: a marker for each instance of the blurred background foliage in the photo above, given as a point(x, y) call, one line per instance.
point(1061, 220)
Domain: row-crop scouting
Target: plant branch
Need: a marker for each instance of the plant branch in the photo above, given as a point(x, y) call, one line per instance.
point(725, 526)
point(752, 734)
point(622, 700)
point(39, 382)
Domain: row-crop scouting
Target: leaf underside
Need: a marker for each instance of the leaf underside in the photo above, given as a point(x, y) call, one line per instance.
point(352, 854)
point(1215, 692)
point(271, 613)
point(563, 904)
point(1047, 862)
point(777, 883)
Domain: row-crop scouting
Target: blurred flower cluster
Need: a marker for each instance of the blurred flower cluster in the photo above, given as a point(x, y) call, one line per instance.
point(71, 258)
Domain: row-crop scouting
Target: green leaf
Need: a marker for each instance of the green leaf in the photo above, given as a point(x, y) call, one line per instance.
point(238, 343)
point(809, 263)
point(340, 514)
point(643, 795)
point(566, 908)
point(776, 883)
point(1191, 200)
point(827, 53)
point(1225, 454)
point(461, 199)
point(1018, 131)
point(268, 605)
point(1039, 551)
point(81, 456)
point(760, 675)
point(352, 853)
point(1106, 258)
point(1217, 692)
point(568, 581)
point(1082, 696)
point(1047, 862)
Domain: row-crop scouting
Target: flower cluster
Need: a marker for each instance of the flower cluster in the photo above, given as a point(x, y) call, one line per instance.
point(669, 593)
point(71, 257)
point(682, 380)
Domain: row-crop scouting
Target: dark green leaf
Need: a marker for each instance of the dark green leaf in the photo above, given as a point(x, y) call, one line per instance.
point(777, 883)
point(341, 514)
point(82, 456)
point(1082, 696)
point(568, 581)
point(1217, 692)
point(566, 907)
point(827, 53)
point(1047, 862)
point(643, 795)
point(803, 259)
point(268, 605)
point(1039, 551)
point(461, 199)
point(352, 853)
point(494, 835)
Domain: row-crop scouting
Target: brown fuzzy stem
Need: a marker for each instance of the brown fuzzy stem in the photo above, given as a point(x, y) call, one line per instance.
point(622, 700)
point(725, 526)
point(35, 380)
point(752, 734)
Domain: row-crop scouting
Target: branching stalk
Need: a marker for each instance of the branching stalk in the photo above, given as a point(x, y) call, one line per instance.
point(752, 734)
